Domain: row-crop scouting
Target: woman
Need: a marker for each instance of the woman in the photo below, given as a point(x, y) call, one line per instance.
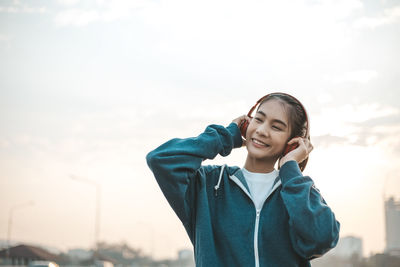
point(255, 215)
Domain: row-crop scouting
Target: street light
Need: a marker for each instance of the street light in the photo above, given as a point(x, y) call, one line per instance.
point(10, 220)
point(98, 203)
point(151, 230)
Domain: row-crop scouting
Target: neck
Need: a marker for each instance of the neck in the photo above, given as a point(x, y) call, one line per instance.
point(259, 166)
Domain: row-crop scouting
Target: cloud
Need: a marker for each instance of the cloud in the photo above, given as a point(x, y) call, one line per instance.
point(68, 2)
point(382, 131)
point(17, 7)
point(358, 76)
point(366, 125)
point(391, 119)
point(328, 140)
point(389, 16)
point(340, 9)
point(4, 38)
point(76, 17)
point(99, 11)
point(4, 143)
point(252, 33)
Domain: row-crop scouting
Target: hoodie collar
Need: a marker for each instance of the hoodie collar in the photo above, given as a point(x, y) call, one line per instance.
point(239, 179)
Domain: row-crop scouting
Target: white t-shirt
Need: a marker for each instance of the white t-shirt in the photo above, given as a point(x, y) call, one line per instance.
point(260, 185)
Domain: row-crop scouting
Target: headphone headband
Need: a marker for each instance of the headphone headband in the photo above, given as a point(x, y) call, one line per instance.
point(307, 134)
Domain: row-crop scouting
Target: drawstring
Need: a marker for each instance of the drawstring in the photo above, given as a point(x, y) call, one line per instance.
point(219, 180)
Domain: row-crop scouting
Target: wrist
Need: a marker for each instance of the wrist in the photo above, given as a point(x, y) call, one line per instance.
point(233, 128)
point(289, 170)
point(286, 159)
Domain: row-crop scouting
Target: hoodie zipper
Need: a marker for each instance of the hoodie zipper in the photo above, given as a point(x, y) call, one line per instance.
point(257, 223)
point(256, 238)
point(258, 212)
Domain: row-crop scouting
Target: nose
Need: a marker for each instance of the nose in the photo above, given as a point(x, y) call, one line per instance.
point(262, 130)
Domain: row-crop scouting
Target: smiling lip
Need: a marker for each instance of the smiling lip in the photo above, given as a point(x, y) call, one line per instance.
point(259, 143)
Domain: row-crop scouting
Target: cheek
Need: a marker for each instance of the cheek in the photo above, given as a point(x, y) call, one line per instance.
point(248, 134)
point(282, 138)
point(250, 129)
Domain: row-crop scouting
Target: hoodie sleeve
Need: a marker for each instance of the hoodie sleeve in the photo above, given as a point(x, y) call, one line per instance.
point(175, 163)
point(313, 227)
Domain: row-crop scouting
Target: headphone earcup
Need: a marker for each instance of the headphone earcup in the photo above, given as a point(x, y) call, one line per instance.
point(289, 148)
point(243, 128)
point(302, 165)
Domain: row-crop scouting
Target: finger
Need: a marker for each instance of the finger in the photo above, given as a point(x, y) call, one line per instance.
point(306, 141)
point(303, 144)
point(245, 118)
point(239, 120)
point(307, 145)
point(310, 146)
point(294, 140)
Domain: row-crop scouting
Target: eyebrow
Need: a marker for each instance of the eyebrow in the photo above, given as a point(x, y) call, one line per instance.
point(274, 120)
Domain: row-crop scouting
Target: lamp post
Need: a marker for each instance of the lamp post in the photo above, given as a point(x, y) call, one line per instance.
point(10, 221)
point(98, 206)
point(152, 237)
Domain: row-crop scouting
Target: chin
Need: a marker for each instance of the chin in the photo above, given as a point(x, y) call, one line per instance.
point(258, 154)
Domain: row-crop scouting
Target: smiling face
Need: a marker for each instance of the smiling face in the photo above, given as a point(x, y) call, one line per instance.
point(267, 134)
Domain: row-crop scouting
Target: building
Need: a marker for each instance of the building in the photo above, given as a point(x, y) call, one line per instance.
point(24, 254)
point(383, 260)
point(392, 220)
point(349, 246)
point(79, 255)
point(185, 258)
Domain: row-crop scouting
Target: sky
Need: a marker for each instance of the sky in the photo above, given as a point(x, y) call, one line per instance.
point(88, 88)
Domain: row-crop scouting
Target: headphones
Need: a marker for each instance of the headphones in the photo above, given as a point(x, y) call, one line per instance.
point(244, 124)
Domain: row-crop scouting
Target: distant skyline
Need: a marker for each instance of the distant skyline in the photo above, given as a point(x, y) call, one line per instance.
point(89, 87)
point(392, 222)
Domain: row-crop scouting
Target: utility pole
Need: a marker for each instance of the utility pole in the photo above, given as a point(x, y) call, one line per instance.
point(97, 207)
point(10, 221)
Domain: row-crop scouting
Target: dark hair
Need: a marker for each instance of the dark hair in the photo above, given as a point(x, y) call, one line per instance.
point(296, 114)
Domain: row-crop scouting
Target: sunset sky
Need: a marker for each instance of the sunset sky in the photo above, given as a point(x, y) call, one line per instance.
point(88, 88)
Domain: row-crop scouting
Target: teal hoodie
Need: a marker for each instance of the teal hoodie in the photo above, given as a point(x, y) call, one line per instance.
point(214, 204)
